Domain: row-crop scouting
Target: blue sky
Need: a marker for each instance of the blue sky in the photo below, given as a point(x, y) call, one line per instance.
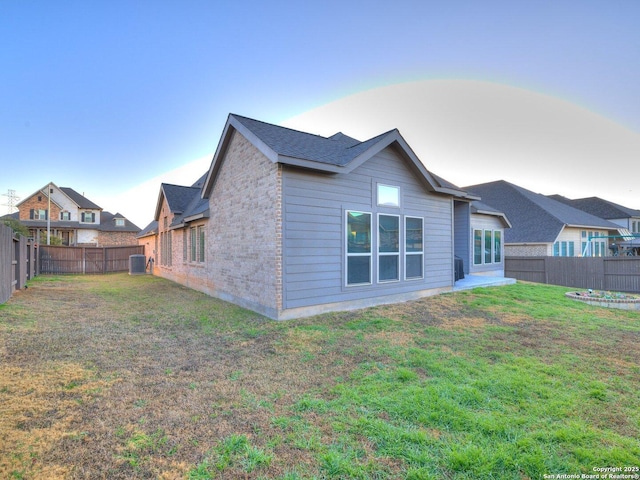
point(103, 96)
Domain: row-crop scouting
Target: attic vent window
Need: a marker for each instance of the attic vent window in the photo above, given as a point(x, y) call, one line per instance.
point(388, 196)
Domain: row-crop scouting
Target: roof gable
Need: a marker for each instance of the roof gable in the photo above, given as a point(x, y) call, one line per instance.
point(336, 154)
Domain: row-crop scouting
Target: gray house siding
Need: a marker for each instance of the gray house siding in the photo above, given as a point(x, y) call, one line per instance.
point(314, 220)
point(487, 222)
point(462, 234)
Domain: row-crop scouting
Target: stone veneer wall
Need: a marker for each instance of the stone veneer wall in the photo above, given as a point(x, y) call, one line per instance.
point(526, 251)
point(116, 239)
point(244, 233)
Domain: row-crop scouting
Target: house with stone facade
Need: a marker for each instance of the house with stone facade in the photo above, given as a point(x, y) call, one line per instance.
point(73, 218)
point(544, 226)
point(291, 224)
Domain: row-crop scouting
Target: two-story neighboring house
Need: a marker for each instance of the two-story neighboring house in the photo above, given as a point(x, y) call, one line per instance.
point(76, 220)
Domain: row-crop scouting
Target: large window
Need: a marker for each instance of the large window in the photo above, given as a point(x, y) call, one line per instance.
point(414, 247)
point(394, 246)
point(487, 246)
point(388, 248)
point(358, 248)
point(564, 249)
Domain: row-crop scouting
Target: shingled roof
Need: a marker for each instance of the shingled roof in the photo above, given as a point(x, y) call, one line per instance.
point(598, 207)
point(338, 153)
point(184, 202)
point(534, 217)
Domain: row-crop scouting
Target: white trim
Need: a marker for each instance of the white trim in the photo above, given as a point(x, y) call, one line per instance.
point(406, 254)
point(388, 254)
point(347, 254)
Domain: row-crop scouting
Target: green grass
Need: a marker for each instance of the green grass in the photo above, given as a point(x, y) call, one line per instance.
point(512, 382)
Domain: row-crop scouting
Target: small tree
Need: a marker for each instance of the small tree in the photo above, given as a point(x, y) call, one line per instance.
point(16, 226)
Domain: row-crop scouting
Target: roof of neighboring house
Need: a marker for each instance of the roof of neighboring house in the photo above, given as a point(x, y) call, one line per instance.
point(336, 154)
point(108, 224)
point(534, 217)
point(80, 200)
point(598, 207)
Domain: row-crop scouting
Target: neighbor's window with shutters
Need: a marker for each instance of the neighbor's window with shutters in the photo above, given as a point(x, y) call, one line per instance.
point(65, 215)
point(88, 217)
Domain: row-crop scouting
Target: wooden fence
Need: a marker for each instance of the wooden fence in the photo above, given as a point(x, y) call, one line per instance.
point(621, 274)
point(18, 262)
point(54, 259)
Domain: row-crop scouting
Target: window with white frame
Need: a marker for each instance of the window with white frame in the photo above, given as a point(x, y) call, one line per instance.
point(196, 243)
point(564, 249)
point(487, 246)
point(358, 248)
point(388, 248)
point(65, 215)
point(414, 248)
point(388, 195)
point(119, 222)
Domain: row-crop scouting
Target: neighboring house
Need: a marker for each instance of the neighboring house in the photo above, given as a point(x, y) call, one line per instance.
point(291, 224)
point(73, 218)
point(541, 226)
point(626, 218)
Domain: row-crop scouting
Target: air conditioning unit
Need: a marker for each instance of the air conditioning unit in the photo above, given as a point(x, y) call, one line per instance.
point(137, 264)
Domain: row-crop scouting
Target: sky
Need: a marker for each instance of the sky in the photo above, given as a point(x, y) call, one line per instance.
point(111, 98)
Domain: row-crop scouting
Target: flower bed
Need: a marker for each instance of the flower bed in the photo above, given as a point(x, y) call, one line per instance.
point(624, 301)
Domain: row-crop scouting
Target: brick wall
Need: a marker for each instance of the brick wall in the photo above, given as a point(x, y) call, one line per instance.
point(244, 242)
point(113, 239)
point(42, 204)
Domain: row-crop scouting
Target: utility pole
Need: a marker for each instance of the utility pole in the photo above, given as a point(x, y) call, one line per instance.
point(50, 190)
point(12, 199)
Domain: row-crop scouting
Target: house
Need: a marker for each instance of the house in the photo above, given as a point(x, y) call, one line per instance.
point(291, 224)
point(73, 218)
point(542, 226)
point(487, 229)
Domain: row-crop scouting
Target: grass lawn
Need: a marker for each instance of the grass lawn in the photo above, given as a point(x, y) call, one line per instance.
point(120, 376)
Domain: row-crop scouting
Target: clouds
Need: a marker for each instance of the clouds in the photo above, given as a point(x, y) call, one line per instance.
point(471, 132)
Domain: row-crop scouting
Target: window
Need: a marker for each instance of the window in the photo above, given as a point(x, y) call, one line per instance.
point(65, 215)
point(487, 247)
point(477, 247)
point(119, 222)
point(564, 249)
point(194, 244)
point(388, 248)
point(88, 217)
point(39, 214)
point(488, 244)
point(185, 246)
point(197, 244)
point(388, 196)
point(200, 229)
point(414, 249)
point(358, 248)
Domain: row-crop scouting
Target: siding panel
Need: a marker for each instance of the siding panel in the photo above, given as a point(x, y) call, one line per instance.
point(313, 209)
